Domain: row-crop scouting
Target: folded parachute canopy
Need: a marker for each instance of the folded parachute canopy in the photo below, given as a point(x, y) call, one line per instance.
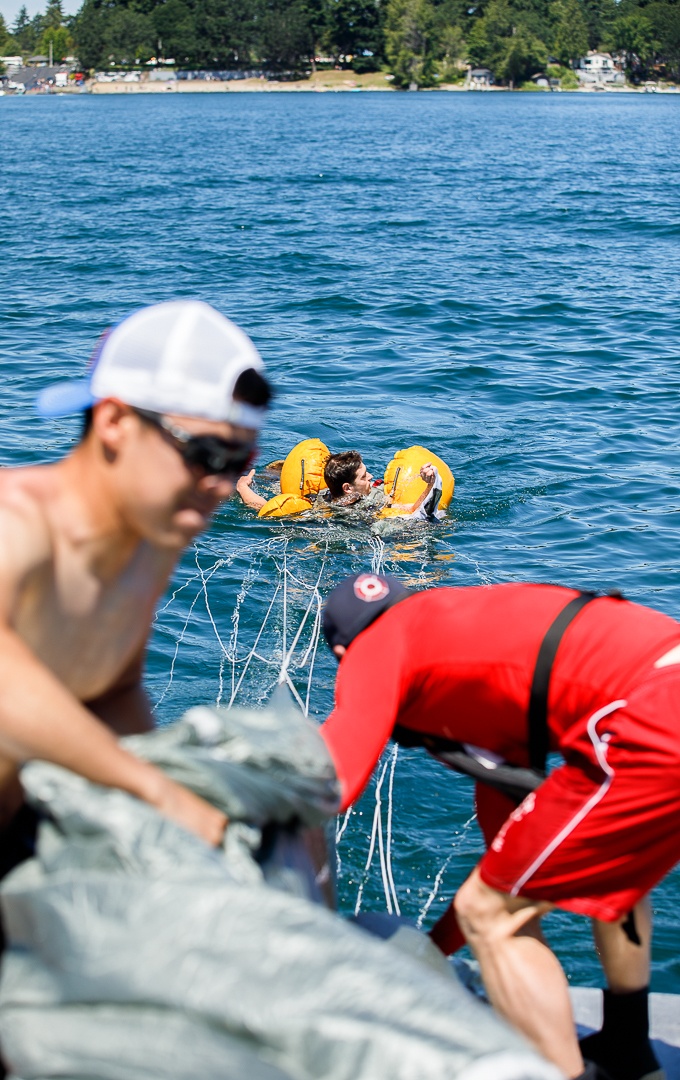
point(134, 950)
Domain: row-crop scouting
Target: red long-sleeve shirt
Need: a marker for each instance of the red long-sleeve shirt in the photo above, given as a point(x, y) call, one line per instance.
point(459, 663)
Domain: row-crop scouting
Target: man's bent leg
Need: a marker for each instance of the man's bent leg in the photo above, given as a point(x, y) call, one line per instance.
point(624, 949)
point(623, 1046)
point(523, 978)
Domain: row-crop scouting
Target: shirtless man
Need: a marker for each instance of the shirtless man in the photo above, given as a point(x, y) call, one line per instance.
point(173, 404)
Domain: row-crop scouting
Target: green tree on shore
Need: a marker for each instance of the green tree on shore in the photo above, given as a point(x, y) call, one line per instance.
point(634, 36)
point(355, 28)
point(503, 40)
point(665, 21)
point(421, 41)
point(600, 16)
point(57, 41)
point(410, 42)
point(6, 42)
point(54, 15)
point(22, 32)
point(571, 32)
point(285, 39)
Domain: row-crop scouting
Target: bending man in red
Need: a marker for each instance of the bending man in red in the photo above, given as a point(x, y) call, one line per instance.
point(520, 670)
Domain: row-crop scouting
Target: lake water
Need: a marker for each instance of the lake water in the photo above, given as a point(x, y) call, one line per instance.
point(495, 276)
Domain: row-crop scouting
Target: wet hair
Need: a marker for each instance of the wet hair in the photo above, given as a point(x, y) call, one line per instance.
point(87, 424)
point(341, 469)
point(251, 387)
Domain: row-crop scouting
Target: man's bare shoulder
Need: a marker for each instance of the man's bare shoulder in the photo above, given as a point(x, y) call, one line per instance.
point(25, 535)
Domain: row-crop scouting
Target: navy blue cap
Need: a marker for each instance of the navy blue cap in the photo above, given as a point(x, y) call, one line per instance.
point(356, 603)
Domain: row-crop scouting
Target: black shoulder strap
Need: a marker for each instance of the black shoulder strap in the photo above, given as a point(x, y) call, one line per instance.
point(538, 700)
point(512, 780)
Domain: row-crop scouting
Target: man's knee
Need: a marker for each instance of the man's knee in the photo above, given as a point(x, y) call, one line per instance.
point(478, 908)
point(486, 915)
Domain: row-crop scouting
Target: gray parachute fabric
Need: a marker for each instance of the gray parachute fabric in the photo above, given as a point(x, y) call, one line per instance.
point(135, 952)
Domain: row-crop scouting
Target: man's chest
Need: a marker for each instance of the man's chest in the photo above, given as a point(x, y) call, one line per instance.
point(85, 630)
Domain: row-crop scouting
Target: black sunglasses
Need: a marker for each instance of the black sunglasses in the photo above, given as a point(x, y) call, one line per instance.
point(214, 456)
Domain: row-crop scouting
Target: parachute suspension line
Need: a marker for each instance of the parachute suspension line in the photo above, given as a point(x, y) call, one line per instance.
point(316, 635)
point(440, 875)
point(378, 559)
point(204, 587)
point(220, 677)
point(392, 901)
point(388, 859)
point(339, 833)
point(177, 645)
point(246, 584)
point(315, 598)
point(252, 652)
point(284, 676)
point(181, 588)
point(312, 647)
point(485, 578)
point(377, 835)
point(371, 846)
point(384, 872)
point(285, 600)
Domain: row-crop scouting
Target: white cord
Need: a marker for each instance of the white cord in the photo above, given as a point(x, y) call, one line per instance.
point(440, 874)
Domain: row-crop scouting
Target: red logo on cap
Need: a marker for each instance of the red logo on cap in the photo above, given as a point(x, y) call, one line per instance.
point(370, 587)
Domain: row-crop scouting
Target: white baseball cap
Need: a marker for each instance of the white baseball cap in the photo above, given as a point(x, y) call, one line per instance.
point(180, 357)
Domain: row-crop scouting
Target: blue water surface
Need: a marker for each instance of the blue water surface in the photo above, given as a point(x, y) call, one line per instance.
point(492, 275)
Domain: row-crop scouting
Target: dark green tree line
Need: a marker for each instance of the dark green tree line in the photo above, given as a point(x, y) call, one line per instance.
point(422, 42)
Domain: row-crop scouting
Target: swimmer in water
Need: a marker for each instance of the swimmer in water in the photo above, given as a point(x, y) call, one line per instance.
point(350, 484)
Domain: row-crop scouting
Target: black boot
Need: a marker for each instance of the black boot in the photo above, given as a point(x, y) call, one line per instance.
point(622, 1047)
point(593, 1072)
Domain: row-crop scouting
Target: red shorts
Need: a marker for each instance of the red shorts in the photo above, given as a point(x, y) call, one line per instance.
point(604, 828)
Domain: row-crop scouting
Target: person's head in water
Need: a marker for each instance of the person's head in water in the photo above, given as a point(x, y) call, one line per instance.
point(346, 475)
point(174, 401)
point(356, 603)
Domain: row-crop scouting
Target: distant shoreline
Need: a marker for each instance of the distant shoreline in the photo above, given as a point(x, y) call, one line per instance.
point(319, 82)
point(182, 86)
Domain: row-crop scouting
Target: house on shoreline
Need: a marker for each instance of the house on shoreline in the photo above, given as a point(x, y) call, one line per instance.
point(599, 69)
point(479, 79)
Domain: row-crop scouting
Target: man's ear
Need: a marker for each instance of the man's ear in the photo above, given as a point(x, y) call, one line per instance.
point(347, 488)
point(110, 422)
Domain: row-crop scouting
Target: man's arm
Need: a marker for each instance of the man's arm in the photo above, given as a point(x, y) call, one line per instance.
point(366, 708)
point(248, 496)
point(41, 718)
point(429, 474)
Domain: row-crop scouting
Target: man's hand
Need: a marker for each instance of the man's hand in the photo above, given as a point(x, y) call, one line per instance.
point(427, 472)
point(248, 496)
point(245, 482)
point(190, 811)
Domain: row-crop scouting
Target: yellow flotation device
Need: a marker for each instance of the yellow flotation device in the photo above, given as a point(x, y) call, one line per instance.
point(302, 472)
point(404, 483)
point(301, 476)
point(284, 505)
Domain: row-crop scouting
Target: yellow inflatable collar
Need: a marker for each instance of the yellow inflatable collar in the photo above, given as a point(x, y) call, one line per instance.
point(301, 476)
point(404, 483)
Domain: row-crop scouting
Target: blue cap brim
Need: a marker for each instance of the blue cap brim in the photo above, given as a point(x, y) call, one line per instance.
point(63, 399)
